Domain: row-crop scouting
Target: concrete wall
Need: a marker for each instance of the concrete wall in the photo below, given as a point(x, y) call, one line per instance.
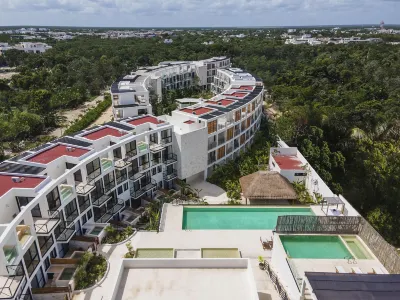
point(203, 263)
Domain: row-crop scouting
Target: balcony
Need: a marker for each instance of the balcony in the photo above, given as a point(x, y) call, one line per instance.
point(228, 150)
point(155, 147)
point(221, 141)
point(156, 161)
point(237, 132)
point(115, 209)
point(104, 218)
point(11, 253)
point(168, 176)
point(45, 226)
point(121, 179)
point(212, 145)
point(92, 176)
point(10, 284)
point(130, 155)
point(221, 126)
point(84, 188)
point(69, 220)
point(65, 235)
point(101, 200)
point(121, 163)
point(23, 234)
point(166, 140)
point(106, 163)
point(144, 166)
point(236, 144)
point(84, 206)
point(66, 192)
point(170, 159)
point(109, 186)
point(211, 160)
point(148, 187)
point(136, 174)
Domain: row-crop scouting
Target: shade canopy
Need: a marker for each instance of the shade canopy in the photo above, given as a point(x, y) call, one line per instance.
point(267, 185)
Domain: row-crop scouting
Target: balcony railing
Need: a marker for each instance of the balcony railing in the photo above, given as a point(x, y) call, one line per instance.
point(66, 192)
point(228, 150)
point(155, 147)
point(84, 188)
point(106, 163)
point(23, 234)
point(92, 176)
point(12, 282)
point(170, 175)
point(65, 235)
point(121, 179)
point(115, 209)
point(236, 144)
point(104, 218)
point(11, 253)
point(101, 200)
point(109, 186)
point(211, 160)
point(212, 145)
point(44, 226)
point(170, 158)
point(144, 166)
point(130, 155)
point(156, 161)
point(166, 140)
point(149, 186)
point(69, 220)
point(221, 141)
point(84, 206)
point(136, 174)
point(121, 163)
point(237, 132)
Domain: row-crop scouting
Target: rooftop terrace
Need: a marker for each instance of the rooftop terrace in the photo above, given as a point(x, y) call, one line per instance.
point(223, 102)
point(55, 152)
point(236, 94)
point(146, 119)
point(197, 111)
point(6, 183)
point(288, 162)
point(105, 131)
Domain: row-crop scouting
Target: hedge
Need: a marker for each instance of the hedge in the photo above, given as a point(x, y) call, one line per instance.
point(91, 116)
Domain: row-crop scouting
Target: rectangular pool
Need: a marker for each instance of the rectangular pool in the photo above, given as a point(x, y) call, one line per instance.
point(314, 246)
point(356, 247)
point(223, 218)
point(154, 253)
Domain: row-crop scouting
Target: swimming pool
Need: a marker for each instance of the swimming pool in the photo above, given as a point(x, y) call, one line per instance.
point(314, 246)
point(223, 218)
point(154, 253)
point(356, 247)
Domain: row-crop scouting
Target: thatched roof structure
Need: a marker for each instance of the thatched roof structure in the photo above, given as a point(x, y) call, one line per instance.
point(265, 185)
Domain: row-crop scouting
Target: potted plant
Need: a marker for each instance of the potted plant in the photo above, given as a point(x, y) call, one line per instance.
point(261, 263)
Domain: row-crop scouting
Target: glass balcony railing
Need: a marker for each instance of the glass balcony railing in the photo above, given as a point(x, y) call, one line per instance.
point(144, 189)
point(106, 163)
point(11, 253)
point(211, 160)
point(170, 158)
point(136, 174)
point(212, 145)
point(101, 200)
point(156, 161)
point(104, 218)
point(65, 235)
point(23, 234)
point(66, 192)
point(170, 175)
point(166, 140)
point(144, 166)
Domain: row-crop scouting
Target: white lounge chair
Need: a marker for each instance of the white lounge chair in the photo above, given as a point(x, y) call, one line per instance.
point(356, 270)
point(340, 269)
point(377, 271)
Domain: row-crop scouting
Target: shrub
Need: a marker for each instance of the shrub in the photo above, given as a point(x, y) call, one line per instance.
point(114, 236)
point(131, 251)
point(91, 268)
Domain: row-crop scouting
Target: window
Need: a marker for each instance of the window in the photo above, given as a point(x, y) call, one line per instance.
point(253, 106)
point(229, 134)
point(84, 220)
point(89, 214)
point(248, 122)
point(53, 200)
point(221, 152)
point(109, 182)
point(78, 176)
point(39, 280)
point(237, 115)
point(98, 191)
point(154, 171)
point(119, 190)
point(126, 186)
point(31, 259)
point(84, 202)
point(45, 243)
point(154, 138)
point(142, 111)
point(69, 165)
point(47, 263)
point(166, 136)
point(93, 168)
point(24, 201)
point(120, 175)
point(298, 174)
point(212, 126)
point(71, 211)
point(131, 149)
point(117, 153)
point(159, 169)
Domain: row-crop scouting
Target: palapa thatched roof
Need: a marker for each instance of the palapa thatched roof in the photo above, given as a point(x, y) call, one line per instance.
point(267, 185)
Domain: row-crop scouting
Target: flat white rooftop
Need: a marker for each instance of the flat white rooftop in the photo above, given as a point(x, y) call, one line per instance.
point(146, 284)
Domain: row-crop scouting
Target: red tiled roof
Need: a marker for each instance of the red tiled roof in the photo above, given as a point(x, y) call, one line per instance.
point(224, 102)
point(98, 134)
point(189, 122)
point(146, 119)
point(56, 152)
point(236, 94)
point(288, 162)
point(7, 184)
point(245, 88)
point(199, 111)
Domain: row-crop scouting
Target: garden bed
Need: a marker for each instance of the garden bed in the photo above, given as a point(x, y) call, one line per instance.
point(115, 236)
point(92, 268)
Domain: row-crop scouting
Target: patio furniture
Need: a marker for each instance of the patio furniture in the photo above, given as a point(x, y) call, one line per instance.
point(340, 269)
point(356, 270)
point(267, 244)
point(330, 206)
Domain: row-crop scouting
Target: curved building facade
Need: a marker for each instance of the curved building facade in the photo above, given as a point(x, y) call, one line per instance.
point(58, 197)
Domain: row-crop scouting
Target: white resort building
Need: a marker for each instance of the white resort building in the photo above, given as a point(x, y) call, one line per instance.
point(57, 199)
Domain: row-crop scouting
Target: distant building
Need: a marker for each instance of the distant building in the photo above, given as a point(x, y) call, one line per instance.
point(29, 47)
point(168, 41)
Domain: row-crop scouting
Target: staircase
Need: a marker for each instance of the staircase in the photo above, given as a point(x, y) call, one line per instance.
point(307, 294)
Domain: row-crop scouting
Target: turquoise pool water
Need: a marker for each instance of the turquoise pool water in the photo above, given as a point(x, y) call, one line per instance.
point(236, 217)
point(312, 246)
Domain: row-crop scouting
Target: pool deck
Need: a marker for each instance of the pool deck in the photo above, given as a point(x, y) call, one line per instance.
point(247, 241)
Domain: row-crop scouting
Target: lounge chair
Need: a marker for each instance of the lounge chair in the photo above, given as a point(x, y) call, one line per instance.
point(356, 270)
point(266, 244)
point(340, 269)
point(377, 271)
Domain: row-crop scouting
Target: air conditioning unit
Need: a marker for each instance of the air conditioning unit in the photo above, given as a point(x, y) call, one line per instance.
point(16, 179)
point(70, 149)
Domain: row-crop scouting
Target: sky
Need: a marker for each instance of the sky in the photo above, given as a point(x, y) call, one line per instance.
point(197, 13)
